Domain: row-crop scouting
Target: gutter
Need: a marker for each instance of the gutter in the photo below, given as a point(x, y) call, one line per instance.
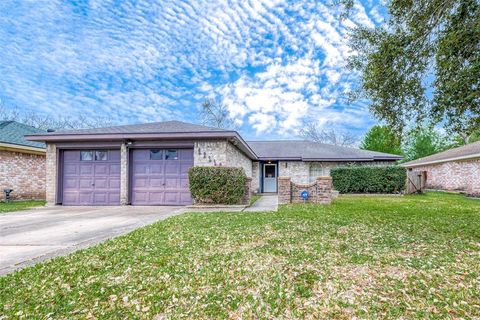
point(21, 148)
point(76, 137)
point(472, 156)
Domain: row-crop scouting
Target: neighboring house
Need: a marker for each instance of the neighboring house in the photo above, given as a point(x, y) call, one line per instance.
point(456, 169)
point(147, 164)
point(22, 162)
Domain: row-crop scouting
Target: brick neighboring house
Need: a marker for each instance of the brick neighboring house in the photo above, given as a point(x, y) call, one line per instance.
point(22, 162)
point(456, 169)
point(147, 164)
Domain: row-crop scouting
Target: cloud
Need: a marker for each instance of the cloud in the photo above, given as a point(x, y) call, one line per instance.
point(273, 62)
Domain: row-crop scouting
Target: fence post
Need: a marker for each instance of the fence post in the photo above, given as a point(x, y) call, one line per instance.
point(324, 190)
point(284, 190)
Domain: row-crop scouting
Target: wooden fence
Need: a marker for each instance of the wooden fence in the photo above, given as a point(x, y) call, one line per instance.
point(416, 181)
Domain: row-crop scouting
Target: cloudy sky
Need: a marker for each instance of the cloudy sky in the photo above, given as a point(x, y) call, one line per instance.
point(274, 63)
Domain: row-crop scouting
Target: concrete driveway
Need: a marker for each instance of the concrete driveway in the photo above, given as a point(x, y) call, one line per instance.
point(27, 237)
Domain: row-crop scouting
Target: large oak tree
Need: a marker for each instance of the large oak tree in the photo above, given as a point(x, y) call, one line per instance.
point(422, 64)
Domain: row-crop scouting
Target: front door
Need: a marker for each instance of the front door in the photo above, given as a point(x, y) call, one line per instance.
point(269, 177)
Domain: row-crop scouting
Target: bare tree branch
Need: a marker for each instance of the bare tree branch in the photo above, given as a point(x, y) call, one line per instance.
point(44, 122)
point(312, 131)
point(216, 114)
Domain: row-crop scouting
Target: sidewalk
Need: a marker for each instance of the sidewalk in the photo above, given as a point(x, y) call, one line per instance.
point(265, 203)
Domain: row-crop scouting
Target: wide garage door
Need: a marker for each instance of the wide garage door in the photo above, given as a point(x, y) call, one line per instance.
point(160, 176)
point(91, 177)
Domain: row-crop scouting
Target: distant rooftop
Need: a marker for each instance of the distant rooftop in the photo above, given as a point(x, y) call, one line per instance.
point(467, 151)
point(154, 127)
point(13, 132)
point(310, 150)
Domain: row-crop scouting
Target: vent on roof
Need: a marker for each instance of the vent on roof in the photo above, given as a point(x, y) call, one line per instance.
point(50, 130)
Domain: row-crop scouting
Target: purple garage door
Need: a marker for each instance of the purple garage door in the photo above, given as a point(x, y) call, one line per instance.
point(160, 176)
point(91, 177)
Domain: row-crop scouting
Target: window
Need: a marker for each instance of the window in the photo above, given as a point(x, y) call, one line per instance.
point(171, 154)
point(156, 154)
point(101, 155)
point(86, 155)
point(318, 170)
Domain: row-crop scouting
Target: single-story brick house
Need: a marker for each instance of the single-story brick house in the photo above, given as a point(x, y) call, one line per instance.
point(147, 164)
point(22, 162)
point(456, 169)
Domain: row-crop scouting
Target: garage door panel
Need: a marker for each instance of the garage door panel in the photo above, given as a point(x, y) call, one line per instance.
point(114, 183)
point(93, 180)
point(114, 169)
point(85, 183)
point(86, 169)
point(101, 183)
point(167, 181)
point(172, 168)
point(140, 168)
point(70, 169)
point(172, 183)
point(101, 169)
point(71, 183)
point(156, 168)
point(71, 155)
point(155, 183)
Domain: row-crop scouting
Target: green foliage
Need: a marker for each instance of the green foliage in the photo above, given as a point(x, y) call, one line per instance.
point(422, 64)
point(20, 205)
point(382, 139)
point(217, 185)
point(363, 179)
point(423, 142)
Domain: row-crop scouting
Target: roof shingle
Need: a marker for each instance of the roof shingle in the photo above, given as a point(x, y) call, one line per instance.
point(310, 150)
point(13, 132)
point(469, 150)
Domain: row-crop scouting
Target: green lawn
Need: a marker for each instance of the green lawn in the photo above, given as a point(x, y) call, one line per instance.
point(19, 205)
point(368, 257)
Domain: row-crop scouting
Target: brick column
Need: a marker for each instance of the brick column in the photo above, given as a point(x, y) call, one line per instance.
point(248, 191)
point(51, 174)
point(284, 190)
point(324, 190)
point(123, 174)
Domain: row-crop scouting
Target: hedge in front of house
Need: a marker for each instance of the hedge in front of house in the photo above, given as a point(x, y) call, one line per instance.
point(369, 179)
point(217, 185)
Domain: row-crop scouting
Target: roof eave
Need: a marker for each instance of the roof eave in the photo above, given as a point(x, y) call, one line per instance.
point(61, 137)
point(424, 163)
point(21, 148)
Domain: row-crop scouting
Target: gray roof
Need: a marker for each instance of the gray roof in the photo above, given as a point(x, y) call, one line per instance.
point(314, 151)
point(471, 150)
point(154, 127)
point(13, 132)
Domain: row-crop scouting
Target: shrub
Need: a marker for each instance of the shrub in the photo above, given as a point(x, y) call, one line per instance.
point(217, 185)
point(364, 179)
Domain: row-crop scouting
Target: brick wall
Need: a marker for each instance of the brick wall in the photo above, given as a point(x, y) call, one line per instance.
point(256, 176)
point(220, 153)
point(319, 192)
point(51, 169)
point(454, 176)
point(24, 173)
point(305, 172)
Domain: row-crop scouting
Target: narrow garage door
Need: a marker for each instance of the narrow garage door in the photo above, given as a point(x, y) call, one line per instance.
point(91, 177)
point(160, 176)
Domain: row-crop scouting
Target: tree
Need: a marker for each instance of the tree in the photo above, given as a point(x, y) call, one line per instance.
point(216, 114)
point(424, 141)
point(382, 139)
point(312, 131)
point(44, 122)
point(422, 64)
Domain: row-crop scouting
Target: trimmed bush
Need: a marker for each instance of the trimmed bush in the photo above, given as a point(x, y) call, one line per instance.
point(364, 179)
point(217, 185)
